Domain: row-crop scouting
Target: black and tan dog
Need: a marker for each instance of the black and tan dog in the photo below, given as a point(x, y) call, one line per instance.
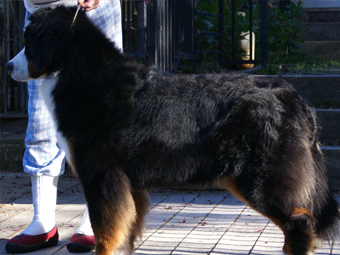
point(127, 128)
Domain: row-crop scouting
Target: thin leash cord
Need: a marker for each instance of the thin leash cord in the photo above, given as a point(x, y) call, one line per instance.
point(75, 16)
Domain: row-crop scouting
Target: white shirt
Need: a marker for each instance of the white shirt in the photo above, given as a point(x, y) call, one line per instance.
point(33, 5)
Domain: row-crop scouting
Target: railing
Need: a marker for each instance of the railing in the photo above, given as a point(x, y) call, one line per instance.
point(220, 34)
point(159, 31)
point(14, 95)
point(165, 31)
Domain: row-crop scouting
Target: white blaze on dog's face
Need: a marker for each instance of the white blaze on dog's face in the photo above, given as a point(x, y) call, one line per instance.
point(47, 38)
point(23, 70)
point(34, 61)
point(20, 68)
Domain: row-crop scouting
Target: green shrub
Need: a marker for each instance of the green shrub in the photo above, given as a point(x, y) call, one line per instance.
point(211, 24)
point(284, 42)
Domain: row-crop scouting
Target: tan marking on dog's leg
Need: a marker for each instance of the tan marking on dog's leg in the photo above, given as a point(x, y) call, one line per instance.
point(229, 184)
point(287, 246)
point(142, 202)
point(286, 249)
point(298, 211)
point(313, 244)
point(115, 235)
point(70, 158)
point(118, 221)
point(318, 147)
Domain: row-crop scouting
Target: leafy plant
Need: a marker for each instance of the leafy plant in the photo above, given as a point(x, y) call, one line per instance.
point(205, 23)
point(270, 69)
point(284, 41)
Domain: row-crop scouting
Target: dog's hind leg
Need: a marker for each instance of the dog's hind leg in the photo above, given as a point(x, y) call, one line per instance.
point(142, 201)
point(299, 231)
point(297, 225)
point(111, 207)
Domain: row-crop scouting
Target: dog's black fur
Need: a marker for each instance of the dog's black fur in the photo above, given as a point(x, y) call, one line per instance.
point(131, 128)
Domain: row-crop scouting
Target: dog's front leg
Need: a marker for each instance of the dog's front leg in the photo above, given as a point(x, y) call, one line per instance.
point(111, 207)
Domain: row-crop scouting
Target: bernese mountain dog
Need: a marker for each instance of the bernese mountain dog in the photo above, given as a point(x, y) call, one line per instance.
point(127, 128)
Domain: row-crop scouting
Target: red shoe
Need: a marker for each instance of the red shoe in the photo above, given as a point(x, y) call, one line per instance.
point(26, 243)
point(81, 243)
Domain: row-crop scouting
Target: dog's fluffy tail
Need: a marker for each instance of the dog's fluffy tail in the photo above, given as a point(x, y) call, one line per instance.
point(326, 208)
point(322, 203)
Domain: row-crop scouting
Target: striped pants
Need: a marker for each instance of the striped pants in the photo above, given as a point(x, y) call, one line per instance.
point(43, 155)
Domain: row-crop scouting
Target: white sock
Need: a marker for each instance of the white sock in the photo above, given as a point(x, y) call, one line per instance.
point(85, 226)
point(44, 193)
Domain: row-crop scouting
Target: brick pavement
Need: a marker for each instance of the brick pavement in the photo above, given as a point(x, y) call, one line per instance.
point(179, 223)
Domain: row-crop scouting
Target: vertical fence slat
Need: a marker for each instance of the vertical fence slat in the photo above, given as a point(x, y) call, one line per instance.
point(141, 29)
point(123, 3)
point(6, 26)
point(221, 30)
point(264, 31)
point(152, 31)
point(194, 13)
point(233, 30)
point(128, 24)
point(251, 30)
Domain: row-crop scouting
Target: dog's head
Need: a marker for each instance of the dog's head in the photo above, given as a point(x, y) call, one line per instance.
point(47, 39)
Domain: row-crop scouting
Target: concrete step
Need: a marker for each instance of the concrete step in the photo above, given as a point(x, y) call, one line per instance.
point(321, 14)
point(323, 50)
point(321, 31)
point(332, 161)
point(313, 88)
point(329, 120)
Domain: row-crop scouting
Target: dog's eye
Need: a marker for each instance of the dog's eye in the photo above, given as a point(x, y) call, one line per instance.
point(29, 47)
point(29, 51)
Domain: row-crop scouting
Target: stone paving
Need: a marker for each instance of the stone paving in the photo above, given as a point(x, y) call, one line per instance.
point(179, 222)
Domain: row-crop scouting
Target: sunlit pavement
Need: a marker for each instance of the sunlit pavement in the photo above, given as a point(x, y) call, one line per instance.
point(179, 222)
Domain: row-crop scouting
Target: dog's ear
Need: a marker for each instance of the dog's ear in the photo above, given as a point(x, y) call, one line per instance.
point(52, 44)
point(48, 37)
point(42, 59)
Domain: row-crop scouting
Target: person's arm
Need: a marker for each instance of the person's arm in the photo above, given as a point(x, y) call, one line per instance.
point(88, 5)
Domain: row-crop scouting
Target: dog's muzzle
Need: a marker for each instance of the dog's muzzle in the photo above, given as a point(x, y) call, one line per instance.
point(9, 67)
point(18, 67)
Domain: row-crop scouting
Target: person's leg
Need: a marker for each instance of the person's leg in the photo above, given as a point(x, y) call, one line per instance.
point(44, 162)
point(83, 240)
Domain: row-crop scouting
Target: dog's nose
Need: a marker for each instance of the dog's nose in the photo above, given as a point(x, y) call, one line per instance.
point(10, 66)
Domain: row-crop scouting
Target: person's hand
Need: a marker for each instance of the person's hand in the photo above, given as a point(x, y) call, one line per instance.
point(88, 5)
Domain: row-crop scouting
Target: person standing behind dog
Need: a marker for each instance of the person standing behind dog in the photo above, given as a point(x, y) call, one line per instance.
point(43, 159)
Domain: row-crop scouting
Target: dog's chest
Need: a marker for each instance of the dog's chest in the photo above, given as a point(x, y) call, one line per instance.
point(46, 91)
